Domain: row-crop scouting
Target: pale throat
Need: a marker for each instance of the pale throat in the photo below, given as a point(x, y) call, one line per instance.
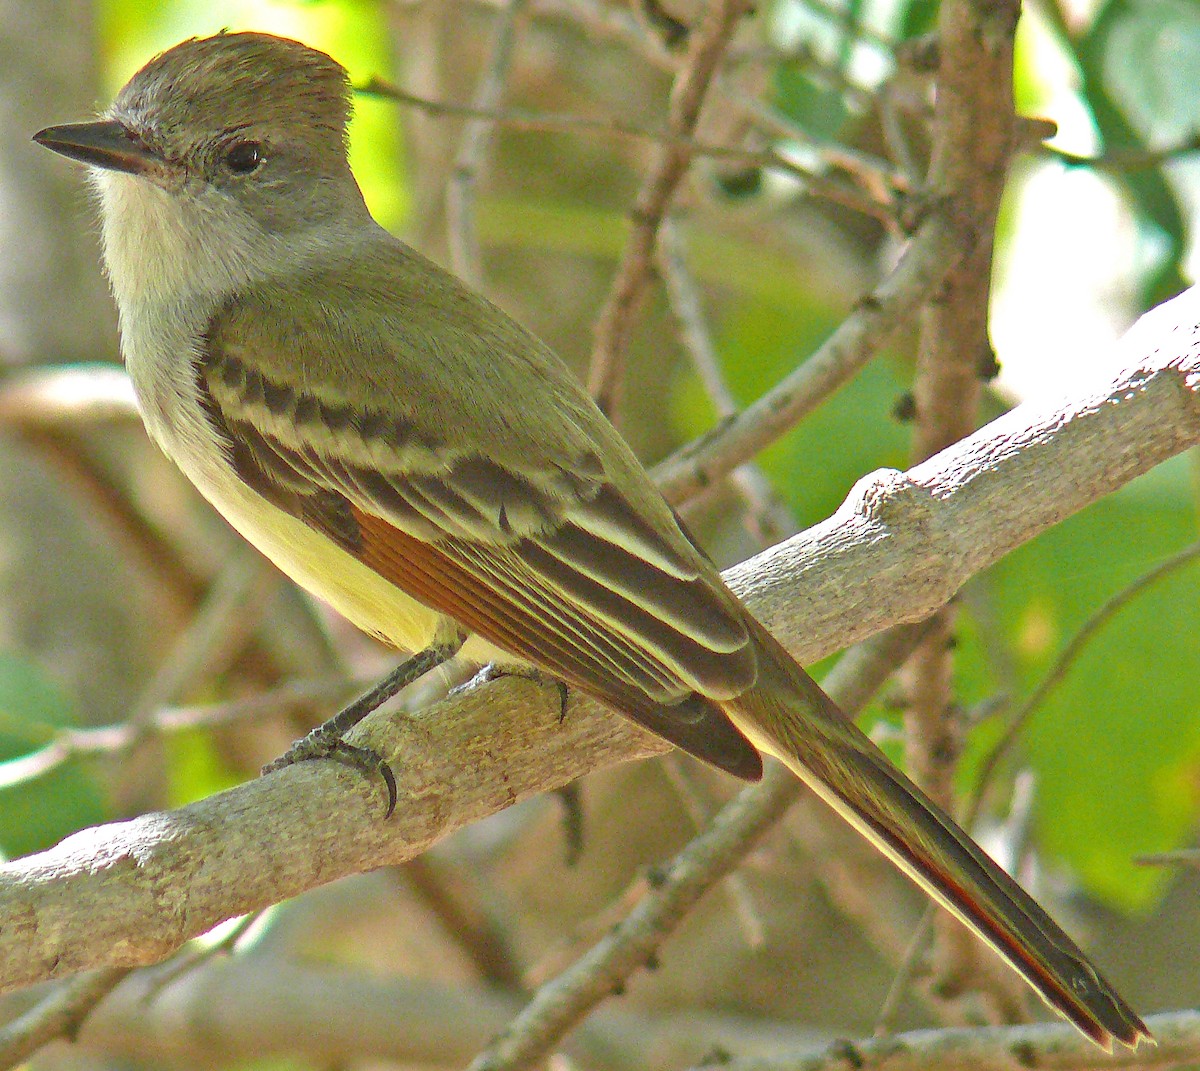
point(165, 247)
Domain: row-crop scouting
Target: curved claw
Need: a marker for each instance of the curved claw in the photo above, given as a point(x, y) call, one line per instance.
point(319, 745)
point(493, 671)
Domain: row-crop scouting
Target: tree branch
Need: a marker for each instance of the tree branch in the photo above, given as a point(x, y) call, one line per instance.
point(132, 892)
point(974, 134)
point(1046, 1046)
point(614, 325)
point(605, 968)
point(937, 247)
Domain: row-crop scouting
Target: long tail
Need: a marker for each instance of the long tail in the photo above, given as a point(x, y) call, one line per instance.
point(787, 715)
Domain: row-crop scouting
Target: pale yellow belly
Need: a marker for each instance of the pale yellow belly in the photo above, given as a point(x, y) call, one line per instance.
point(321, 567)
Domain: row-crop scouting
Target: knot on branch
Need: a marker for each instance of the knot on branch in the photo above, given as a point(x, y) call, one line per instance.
point(891, 502)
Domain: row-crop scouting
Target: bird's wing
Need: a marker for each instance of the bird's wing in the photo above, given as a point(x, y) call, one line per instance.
point(545, 556)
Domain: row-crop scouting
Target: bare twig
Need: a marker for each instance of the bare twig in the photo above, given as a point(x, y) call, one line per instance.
point(117, 740)
point(214, 636)
point(1062, 666)
point(871, 173)
point(614, 325)
point(466, 920)
point(1126, 160)
point(941, 241)
point(766, 516)
point(700, 808)
point(559, 122)
point(193, 956)
point(215, 633)
point(57, 1016)
point(473, 148)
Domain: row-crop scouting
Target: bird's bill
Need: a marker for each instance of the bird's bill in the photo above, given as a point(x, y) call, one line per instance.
point(106, 143)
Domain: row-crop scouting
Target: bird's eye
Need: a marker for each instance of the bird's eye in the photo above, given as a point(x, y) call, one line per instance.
point(244, 157)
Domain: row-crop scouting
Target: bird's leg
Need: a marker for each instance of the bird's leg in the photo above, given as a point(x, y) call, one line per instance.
point(327, 741)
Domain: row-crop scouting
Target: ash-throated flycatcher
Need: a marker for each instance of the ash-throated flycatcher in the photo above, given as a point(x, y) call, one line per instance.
point(405, 450)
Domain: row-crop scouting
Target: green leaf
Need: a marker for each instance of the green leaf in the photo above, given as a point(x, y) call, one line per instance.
point(39, 813)
point(1149, 55)
point(1115, 748)
point(816, 108)
point(1113, 90)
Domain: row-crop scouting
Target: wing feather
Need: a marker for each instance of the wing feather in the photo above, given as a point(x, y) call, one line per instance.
point(692, 722)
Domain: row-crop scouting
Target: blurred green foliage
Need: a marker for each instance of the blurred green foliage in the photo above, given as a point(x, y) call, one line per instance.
point(40, 812)
point(1116, 746)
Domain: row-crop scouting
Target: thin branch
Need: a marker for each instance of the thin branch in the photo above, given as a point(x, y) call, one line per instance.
point(192, 957)
point(130, 893)
point(212, 640)
point(614, 325)
point(464, 917)
point(563, 1002)
point(255, 1007)
point(560, 122)
point(473, 148)
point(214, 635)
point(59, 1015)
point(1062, 666)
point(766, 516)
point(1125, 160)
point(871, 173)
point(114, 741)
point(1046, 1046)
point(941, 241)
point(608, 22)
point(683, 777)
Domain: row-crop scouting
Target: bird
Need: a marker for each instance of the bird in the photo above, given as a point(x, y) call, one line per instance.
point(404, 449)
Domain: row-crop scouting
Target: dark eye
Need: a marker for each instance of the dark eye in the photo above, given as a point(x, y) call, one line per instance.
point(244, 157)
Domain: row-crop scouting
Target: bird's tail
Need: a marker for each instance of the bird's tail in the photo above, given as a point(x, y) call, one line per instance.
point(787, 715)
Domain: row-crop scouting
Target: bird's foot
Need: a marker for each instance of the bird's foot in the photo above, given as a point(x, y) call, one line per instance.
point(323, 743)
point(494, 671)
point(327, 741)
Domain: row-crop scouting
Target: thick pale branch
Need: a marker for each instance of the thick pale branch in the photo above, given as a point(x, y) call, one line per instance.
point(254, 1007)
point(130, 893)
point(261, 1007)
point(904, 543)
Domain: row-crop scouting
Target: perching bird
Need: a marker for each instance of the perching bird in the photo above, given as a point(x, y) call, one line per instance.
point(404, 449)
